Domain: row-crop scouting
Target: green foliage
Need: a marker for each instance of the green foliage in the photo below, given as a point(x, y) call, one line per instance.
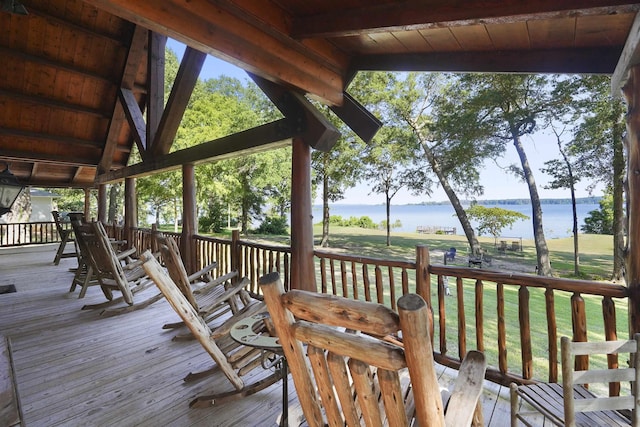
point(70, 200)
point(273, 225)
point(396, 224)
point(214, 218)
point(600, 221)
point(493, 220)
point(362, 222)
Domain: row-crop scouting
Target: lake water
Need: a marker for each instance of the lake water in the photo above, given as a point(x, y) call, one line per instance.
point(556, 218)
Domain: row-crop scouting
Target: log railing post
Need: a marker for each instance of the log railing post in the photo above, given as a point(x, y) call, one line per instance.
point(525, 332)
point(552, 333)
point(102, 203)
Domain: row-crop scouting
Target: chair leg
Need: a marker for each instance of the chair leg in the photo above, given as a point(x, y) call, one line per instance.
point(60, 251)
point(514, 404)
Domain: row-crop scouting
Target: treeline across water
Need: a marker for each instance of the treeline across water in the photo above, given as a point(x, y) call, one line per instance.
point(593, 200)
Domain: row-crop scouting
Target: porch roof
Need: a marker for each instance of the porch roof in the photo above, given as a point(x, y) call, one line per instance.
point(77, 72)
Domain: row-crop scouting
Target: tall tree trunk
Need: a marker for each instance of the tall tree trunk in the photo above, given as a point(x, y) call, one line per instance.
point(388, 200)
point(619, 172)
point(453, 198)
point(542, 251)
point(576, 253)
point(325, 208)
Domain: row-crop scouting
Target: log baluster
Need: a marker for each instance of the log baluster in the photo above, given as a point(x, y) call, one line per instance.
point(354, 280)
point(405, 282)
point(323, 275)
point(609, 316)
point(442, 316)
point(392, 288)
point(579, 321)
point(423, 278)
point(332, 266)
point(462, 323)
point(502, 327)
point(343, 278)
point(552, 334)
point(525, 332)
point(287, 286)
point(479, 300)
point(379, 285)
point(365, 280)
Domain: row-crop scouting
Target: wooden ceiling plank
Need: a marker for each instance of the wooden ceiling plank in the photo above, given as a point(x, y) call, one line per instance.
point(552, 34)
point(56, 159)
point(423, 15)
point(47, 137)
point(52, 103)
point(629, 57)
point(509, 36)
point(258, 139)
point(211, 29)
point(533, 61)
point(185, 82)
point(473, 37)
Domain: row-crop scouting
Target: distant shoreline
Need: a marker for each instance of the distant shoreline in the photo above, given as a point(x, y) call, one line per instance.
point(507, 202)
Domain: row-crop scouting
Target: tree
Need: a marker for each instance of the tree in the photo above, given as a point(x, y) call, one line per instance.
point(392, 161)
point(338, 169)
point(564, 176)
point(510, 107)
point(601, 221)
point(493, 220)
point(599, 147)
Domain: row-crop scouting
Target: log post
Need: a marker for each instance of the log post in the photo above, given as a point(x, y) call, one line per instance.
point(87, 203)
point(130, 210)
point(189, 218)
point(631, 92)
point(579, 321)
point(102, 203)
point(302, 265)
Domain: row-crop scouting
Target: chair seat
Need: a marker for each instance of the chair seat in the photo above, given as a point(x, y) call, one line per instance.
point(547, 399)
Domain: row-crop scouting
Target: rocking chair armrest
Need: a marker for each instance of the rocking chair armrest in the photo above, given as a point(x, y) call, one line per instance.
point(227, 295)
point(124, 254)
point(215, 282)
point(203, 272)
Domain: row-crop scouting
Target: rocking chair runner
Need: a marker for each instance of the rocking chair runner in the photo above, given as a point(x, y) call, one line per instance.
point(326, 325)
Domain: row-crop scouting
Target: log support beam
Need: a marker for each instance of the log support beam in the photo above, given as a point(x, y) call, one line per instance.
point(130, 209)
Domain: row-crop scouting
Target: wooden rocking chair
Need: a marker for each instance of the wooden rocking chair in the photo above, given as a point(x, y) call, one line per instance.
point(66, 236)
point(211, 298)
point(233, 359)
point(391, 383)
point(129, 279)
point(571, 403)
point(84, 275)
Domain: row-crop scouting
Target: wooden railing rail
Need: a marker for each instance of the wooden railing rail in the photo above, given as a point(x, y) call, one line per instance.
point(258, 259)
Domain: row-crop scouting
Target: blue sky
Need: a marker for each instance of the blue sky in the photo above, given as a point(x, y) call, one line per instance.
point(497, 183)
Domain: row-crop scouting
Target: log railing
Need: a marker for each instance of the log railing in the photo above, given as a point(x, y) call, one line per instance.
point(29, 233)
point(515, 319)
point(506, 302)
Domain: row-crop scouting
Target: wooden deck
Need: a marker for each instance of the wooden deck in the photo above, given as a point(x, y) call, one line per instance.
point(73, 367)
